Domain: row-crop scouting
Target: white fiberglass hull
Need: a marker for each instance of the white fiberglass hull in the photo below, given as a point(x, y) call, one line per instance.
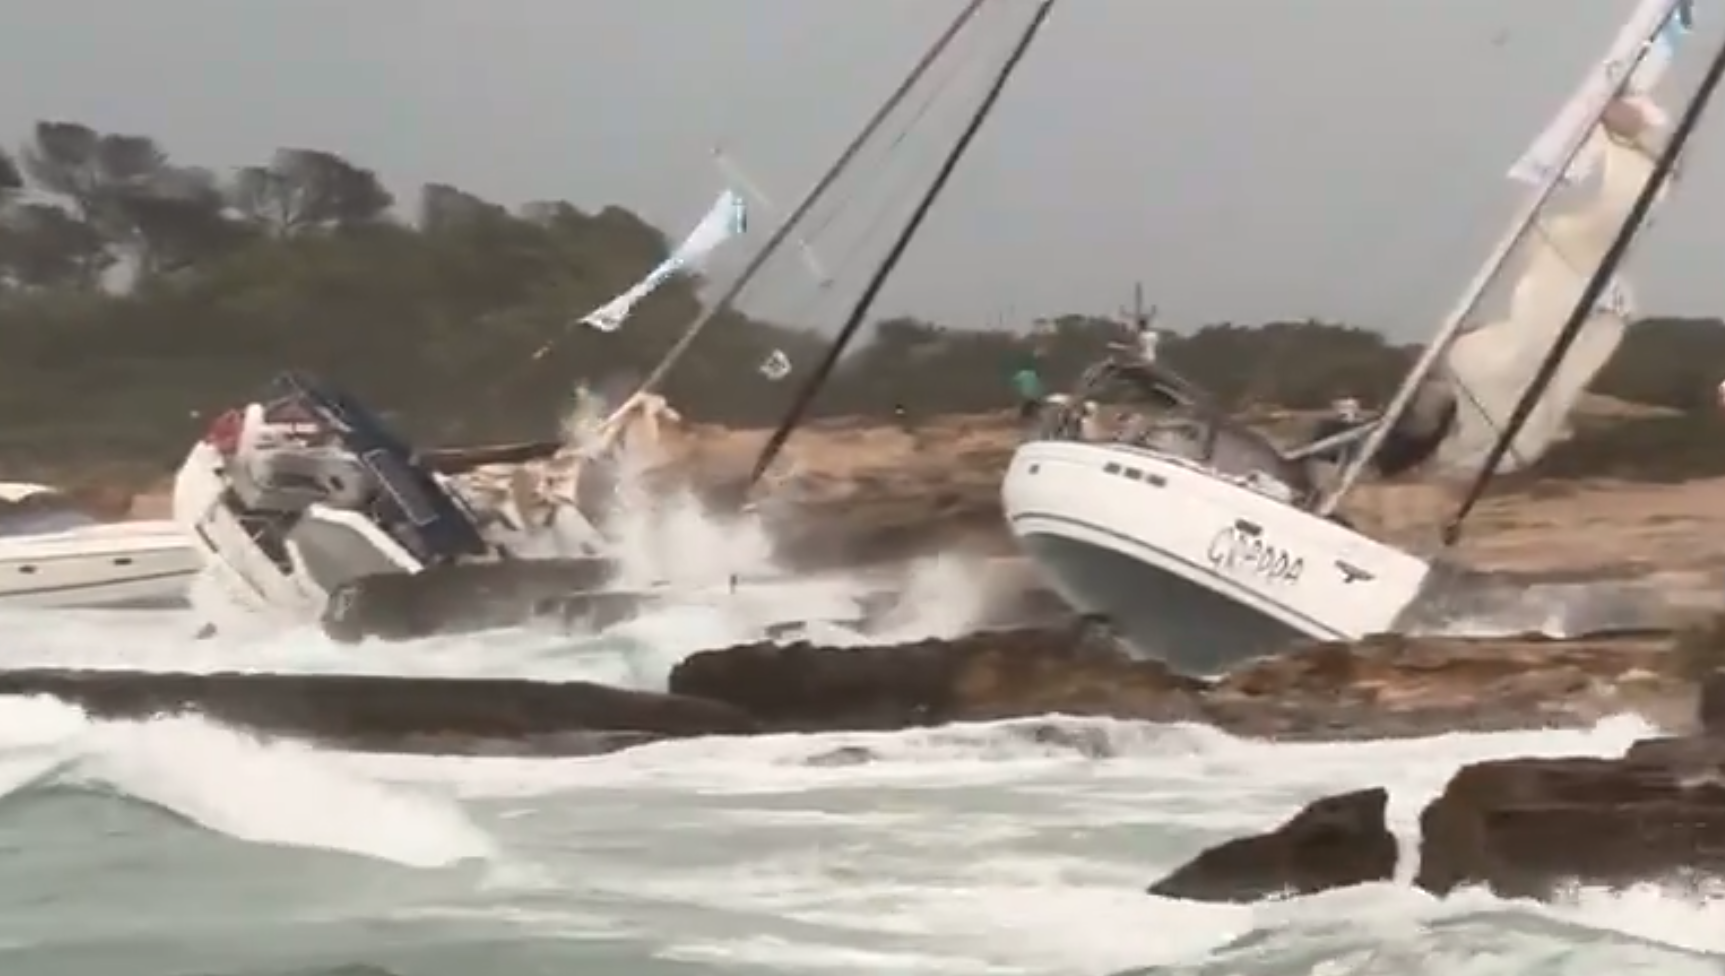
point(1191, 567)
point(290, 582)
point(124, 565)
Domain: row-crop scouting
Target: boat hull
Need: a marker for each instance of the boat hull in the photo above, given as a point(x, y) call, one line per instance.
point(78, 575)
point(289, 581)
point(1196, 569)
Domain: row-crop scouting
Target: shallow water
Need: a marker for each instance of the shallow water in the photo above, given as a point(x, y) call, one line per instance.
point(175, 847)
point(178, 848)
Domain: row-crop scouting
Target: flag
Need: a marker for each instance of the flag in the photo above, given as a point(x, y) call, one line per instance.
point(727, 218)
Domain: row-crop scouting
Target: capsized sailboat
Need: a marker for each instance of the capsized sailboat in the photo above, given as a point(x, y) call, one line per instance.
point(1201, 541)
point(297, 496)
point(305, 506)
point(359, 529)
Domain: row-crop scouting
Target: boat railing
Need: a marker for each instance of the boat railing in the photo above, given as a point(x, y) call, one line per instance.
point(1144, 407)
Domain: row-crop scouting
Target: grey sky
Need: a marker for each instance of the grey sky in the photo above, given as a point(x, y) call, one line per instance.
point(1246, 159)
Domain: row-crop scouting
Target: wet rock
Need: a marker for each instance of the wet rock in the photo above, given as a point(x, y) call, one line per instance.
point(1699, 649)
point(1332, 843)
point(391, 714)
point(1711, 707)
point(805, 686)
point(1376, 688)
point(1085, 740)
point(1380, 687)
point(1524, 828)
point(1395, 685)
point(842, 756)
point(986, 676)
point(468, 597)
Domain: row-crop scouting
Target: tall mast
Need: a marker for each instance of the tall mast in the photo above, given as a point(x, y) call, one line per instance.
point(1586, 305)
point(811, 198)
point(805, 396)
point(1453, 323)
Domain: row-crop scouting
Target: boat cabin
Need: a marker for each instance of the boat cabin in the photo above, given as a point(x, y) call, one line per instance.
point(1149, 406)
point(301, 443)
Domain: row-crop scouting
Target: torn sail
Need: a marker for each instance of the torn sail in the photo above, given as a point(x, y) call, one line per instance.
point(728, 218)
point(1494, 359)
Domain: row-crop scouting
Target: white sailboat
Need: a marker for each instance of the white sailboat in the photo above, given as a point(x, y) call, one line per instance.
point(1200, 541)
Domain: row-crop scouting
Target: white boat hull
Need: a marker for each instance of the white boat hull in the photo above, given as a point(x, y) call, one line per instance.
point(125, 566)
point(1193, 568)
point(325, 549)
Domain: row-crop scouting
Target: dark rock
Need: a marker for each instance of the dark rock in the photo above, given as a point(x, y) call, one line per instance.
point(1382, 686)
point(1397, 685)
point(807, 686)
point(1389, 686)
point(389, 714)
point(1332, 843)
point(1069, 671)
point(460, 598)
point(1525, 827)
point(842, 756)
point(1711, 709)
point(1086, 740)
point(985, 676)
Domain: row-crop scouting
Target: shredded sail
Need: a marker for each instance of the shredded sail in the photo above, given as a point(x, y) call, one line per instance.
point(1546, 152)
point(1491, 364)
point(728, 218)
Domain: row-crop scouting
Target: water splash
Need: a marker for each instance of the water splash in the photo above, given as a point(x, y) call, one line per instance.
point(247, 788)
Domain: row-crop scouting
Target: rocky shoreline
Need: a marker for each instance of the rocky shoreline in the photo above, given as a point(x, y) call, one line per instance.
point(1522, 827)
point(1381, 687)
point(1378, 688)
point(1519, 827)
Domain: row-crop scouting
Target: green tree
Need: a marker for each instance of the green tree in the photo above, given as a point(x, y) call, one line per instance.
point(302, 190)
point(461, 319)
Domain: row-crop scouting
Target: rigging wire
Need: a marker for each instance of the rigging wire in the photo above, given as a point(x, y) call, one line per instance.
point(1585, 306)
point(805, 396)
point(810, 199)
point(882, 114)
point(893, 164)
point(953, 67)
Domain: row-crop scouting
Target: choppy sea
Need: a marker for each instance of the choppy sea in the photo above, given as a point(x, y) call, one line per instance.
point(177, 847)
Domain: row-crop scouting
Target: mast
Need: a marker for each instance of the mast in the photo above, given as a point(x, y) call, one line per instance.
point(805, 395)
point(811, 198)
point(1601, 279)
point(1140, 317)
point(1471, 297)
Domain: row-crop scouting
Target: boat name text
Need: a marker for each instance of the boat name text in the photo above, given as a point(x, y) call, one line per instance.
point(1240, 553)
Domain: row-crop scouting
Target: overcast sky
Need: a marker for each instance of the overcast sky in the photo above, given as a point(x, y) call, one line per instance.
point(1245, 159)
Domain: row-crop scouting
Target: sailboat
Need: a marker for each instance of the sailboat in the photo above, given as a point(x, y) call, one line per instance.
point(373, 539)
point(1201, 541)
